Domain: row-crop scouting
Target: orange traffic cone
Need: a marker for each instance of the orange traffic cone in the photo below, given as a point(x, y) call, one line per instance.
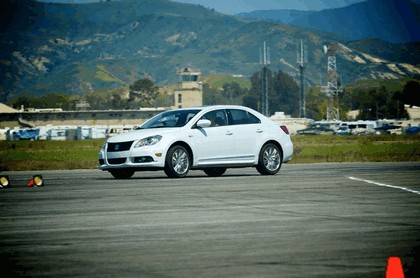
point(31, 183)
point(36, 181)
point(394, 268)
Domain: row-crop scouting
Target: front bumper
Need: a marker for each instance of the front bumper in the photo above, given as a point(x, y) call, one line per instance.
point(143, 157)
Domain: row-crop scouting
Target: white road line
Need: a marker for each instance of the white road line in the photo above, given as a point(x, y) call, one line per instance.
point(386, 185)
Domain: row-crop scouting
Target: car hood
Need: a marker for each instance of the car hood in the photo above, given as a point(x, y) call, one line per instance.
point(141, 133)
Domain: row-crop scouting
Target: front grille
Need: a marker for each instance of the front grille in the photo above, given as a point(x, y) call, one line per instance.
point(119, 147)
point(114, 161)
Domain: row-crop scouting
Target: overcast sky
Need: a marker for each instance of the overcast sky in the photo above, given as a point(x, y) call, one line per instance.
point(237, 6)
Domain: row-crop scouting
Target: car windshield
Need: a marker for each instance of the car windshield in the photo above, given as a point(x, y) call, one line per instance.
point(173, 118)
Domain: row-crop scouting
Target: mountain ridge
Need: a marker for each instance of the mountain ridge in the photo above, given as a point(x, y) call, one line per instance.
point(395, 21)
point(99, 46)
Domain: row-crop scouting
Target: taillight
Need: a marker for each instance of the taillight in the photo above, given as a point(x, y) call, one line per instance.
point(284, 128)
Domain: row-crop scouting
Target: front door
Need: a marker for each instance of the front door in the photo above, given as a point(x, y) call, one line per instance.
point(214, 145)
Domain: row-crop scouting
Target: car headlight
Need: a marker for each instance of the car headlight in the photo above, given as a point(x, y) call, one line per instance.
point(148, 141)
point(103, 146)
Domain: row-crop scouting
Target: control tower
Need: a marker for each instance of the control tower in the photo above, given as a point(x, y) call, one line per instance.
point(189, 91)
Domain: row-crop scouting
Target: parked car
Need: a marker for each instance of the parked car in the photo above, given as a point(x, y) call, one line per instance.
point(412, 130)
point(316, 129)
point(357, 128)
point(211, 139)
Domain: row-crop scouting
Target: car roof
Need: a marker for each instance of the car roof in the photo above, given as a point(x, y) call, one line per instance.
point(222, 106)
point(217, 106)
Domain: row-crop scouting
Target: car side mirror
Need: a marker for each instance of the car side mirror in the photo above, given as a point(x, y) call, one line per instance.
point(203, 123)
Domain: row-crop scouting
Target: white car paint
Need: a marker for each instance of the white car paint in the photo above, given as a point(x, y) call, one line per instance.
point(221, 147)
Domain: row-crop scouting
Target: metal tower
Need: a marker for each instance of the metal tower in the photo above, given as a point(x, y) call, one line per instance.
point(265, 61)
point(333, 87)
point(302, 59)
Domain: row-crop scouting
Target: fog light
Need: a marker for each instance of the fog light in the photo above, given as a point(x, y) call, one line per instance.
point(4, 181)
point(142, 159)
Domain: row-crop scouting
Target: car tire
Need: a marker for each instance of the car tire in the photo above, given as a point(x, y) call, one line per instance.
point(215, 172)
point(177, 162)
point(122, 174)
point(270, 160)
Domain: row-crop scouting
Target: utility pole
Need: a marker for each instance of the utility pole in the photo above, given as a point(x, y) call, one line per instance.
point(302, 59)
point(264, 61)
point(333, 87)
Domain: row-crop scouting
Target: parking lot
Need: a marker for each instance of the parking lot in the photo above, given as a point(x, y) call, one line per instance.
point(310, 220)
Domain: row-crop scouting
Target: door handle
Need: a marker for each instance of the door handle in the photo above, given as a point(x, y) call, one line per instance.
point(229, 132)
point(259, 131)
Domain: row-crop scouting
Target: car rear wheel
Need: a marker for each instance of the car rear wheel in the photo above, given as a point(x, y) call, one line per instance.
point(122, 174)
point(177, 163)
point(270, 160)
point(215, 172)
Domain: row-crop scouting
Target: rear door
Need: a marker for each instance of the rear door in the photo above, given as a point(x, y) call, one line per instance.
point(247, 132)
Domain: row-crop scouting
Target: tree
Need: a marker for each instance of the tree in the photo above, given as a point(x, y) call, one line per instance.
point(230, 93)
point(233, 93)
point(113, 99)
point(283, 93)
point(116, 101)
point(253, 99)
point(316, 104)
point(25, 100)
point(144, 91)
point(380, 104)
point(211, 96)
point(396, 107)
point(286, 94)
point(54, 100)
point(411, 93)
point(30, 100)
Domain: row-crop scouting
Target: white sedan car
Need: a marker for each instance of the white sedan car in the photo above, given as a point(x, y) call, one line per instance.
point(211, 139)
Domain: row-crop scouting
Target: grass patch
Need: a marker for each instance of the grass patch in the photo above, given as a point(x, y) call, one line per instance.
point(218, 80)
point(49, 155)
point(56, 155)
point(330, 148)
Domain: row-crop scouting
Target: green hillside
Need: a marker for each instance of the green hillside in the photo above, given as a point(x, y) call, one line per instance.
point(391, 85)
point(76, 49)
point(217, 81)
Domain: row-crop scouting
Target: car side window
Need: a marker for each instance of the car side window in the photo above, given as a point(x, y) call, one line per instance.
point(242, 117)
point(216, 117)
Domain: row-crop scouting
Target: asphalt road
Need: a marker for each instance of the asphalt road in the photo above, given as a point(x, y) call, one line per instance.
point(311, 220)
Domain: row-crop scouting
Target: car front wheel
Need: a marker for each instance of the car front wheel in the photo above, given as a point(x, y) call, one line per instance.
point(270, 160)
point(177, 163)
